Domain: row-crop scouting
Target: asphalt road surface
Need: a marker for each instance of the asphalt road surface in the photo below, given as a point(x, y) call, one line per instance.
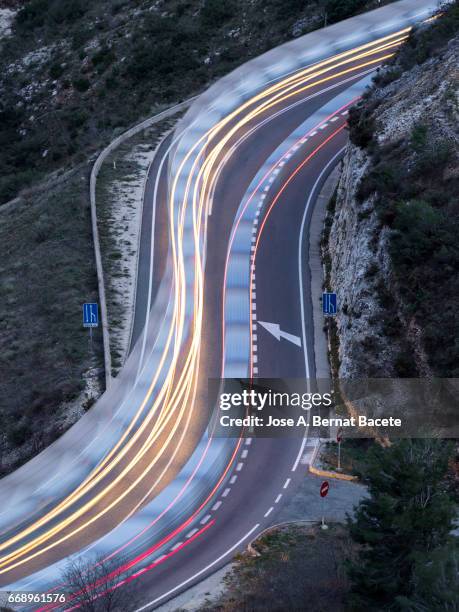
point(158, 487)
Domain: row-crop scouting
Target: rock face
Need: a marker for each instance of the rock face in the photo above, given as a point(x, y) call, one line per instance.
point(411, 117)
point(359, 261)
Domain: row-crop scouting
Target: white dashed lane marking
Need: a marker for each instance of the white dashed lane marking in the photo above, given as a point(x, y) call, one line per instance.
point(278, 498)
point(216, 506)
point(244, 453)
point(191, 533)
point(205, 519)
point(225, 492)
point(269, 511)
point(176, 545)
point(233, 479)
point(240, 465)
point(286, 483)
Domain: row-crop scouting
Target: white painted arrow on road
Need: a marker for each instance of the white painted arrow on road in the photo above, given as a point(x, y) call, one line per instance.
point(275, 330)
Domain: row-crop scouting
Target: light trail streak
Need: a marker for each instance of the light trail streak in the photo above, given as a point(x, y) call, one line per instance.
point(175, 395)
point(265, 219)
point(184, 525)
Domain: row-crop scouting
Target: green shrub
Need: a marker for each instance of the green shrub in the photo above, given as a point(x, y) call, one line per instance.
point(33, 14)
point(361, 126)
point(20, 433)
point(341, 9)
point(81, 84)
point(37, 13)
point(103, 58)
point(215, 13)
point(56, 70)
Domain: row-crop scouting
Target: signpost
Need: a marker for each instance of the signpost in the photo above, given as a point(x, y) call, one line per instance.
point(90, 317)
point(329, 304)
point(339, 437)
point(324, 487)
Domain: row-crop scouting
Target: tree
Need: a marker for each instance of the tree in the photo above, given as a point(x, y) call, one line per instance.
point(435, 581)
point(94, 585)
point(407, 517)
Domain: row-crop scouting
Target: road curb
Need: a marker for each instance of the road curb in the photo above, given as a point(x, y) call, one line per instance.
point(327, 473)
point(95, 232)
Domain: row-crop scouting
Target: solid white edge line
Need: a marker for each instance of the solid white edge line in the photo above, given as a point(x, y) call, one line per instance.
point(205, 569)
point(326, 169)
point(300, 272)
point(297, 460)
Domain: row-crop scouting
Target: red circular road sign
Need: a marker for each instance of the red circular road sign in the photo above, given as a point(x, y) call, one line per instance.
point(324, 489)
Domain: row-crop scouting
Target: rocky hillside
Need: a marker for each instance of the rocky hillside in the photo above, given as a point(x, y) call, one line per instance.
point(73, 72)
point(392, 246)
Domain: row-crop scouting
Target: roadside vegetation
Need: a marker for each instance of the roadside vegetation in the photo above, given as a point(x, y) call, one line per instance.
point(299, 567)
point(49, 370)
point(91, 585)
point(413, 181)
point(407, 557)
point(396, 553)
point(75, 72)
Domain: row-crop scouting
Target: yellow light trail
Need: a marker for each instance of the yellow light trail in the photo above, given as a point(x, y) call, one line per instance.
point(176, 395)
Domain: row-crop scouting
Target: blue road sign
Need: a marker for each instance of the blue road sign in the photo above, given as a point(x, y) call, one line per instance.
point(329, 304)
point(90, 315)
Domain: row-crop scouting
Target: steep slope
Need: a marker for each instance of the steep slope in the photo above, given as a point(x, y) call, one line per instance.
point(393, 251)
point(74, 71)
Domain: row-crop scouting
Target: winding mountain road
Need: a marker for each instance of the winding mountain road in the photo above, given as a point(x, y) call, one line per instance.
point(226, 217)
